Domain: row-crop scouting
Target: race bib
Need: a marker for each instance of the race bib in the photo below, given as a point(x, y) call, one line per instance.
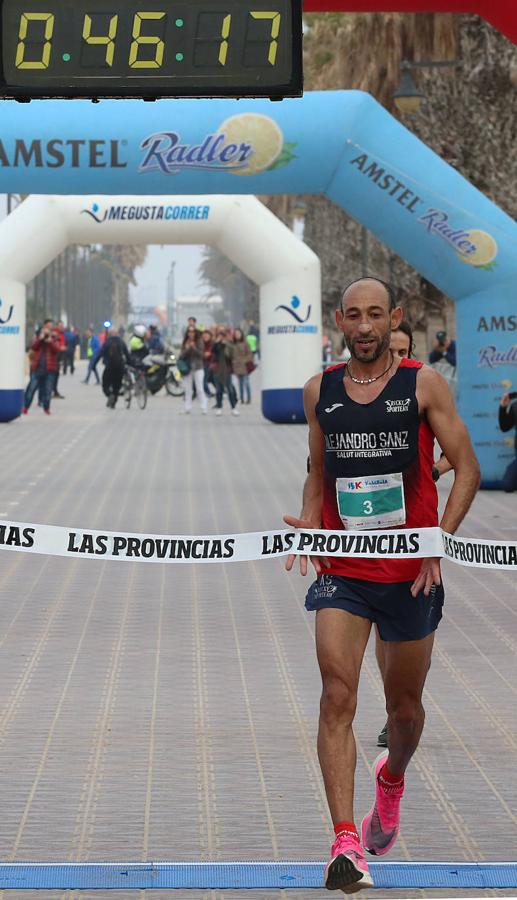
point(371, 501)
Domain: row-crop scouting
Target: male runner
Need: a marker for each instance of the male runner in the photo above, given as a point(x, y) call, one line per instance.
point(402, 344)
point(375, 416)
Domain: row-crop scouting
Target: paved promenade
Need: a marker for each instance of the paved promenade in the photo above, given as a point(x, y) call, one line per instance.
point(170, 712)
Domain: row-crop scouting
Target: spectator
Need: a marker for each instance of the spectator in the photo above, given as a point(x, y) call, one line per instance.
point(403, 345)
point(44, 350)
point(327, 349)
point(507, 421)
point(114, 355)
point(93, 345)
point(253, 331)
point(222, 352)
point(206, 338)
point(71, 343)
point(192, 323)
point(138, 348)
point(401, 342)
point(192, 356)
point(242, 364)
point(252, 342)
point(444, 349)
point(60, 330)
point(344, 353)
point(154, 341)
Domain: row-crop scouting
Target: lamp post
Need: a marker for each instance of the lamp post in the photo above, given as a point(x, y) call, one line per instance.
point(171, 303)
point(407, 97)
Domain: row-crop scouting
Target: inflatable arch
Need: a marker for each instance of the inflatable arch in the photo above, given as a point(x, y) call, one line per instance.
point(342, 144)
point(287, 272)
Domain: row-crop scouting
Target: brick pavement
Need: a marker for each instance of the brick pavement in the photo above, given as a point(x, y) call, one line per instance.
point(152, 712)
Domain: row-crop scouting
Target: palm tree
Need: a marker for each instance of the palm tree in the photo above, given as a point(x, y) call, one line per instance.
point(121, 261)
point(364, 51)
point(222, 277)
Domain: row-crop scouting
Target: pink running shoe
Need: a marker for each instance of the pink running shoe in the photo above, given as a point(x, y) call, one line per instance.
point(347, 869)
point(380, 827)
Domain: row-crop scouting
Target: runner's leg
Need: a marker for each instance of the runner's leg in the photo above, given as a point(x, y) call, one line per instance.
point(407, 665)
point(341, 640)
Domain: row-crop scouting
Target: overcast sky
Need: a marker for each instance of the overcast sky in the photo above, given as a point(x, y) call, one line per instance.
point(152, 277)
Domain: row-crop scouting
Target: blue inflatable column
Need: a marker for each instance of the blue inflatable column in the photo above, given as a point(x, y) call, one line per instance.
point(290, 341)
point(487, 368)
point(12, 349)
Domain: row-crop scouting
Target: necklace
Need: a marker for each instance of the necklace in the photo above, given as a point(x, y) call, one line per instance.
point(370, 380)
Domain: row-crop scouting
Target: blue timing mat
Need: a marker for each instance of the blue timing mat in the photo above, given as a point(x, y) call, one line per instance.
point(247, 875)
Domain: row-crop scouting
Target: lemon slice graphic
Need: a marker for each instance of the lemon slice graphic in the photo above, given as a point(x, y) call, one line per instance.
point(264, 135)
point(486, 248)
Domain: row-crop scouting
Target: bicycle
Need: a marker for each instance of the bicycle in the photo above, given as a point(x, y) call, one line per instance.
point(134, 384)
point(140, 388)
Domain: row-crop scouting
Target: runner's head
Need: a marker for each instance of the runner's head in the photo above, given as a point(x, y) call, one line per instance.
point(368, 315)
point(401, 342)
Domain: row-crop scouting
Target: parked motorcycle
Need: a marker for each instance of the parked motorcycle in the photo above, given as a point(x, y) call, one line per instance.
point(161, 370)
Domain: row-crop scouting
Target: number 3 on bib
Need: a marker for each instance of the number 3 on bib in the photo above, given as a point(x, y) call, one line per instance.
point(371, 501)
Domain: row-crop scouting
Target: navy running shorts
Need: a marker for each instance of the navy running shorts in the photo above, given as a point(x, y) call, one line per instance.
point(398, 615)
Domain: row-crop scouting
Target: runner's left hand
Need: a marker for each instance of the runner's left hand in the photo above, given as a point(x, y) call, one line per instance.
point(429, 574)
point(319, 562)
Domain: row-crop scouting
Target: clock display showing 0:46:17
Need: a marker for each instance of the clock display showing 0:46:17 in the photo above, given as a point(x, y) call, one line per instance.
point(96, 40)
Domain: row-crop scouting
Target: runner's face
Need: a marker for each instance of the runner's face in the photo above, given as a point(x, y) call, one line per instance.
point(399, 344)
point(366, 321)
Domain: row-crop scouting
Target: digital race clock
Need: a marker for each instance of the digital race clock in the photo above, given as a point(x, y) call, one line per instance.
point(151, 48)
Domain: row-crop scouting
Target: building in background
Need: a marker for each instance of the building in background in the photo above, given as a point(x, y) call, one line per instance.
point(148, 315)
point(207, 311)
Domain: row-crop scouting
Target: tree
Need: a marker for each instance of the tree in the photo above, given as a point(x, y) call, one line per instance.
point(469, 118)
point(121, 261)
point(86, 285)
point(240, 295)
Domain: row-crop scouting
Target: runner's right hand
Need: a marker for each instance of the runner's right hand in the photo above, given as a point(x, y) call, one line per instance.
point(319, 562)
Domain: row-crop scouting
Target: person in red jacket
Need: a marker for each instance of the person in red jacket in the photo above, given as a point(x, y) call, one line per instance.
point(45, 349)
point(60, 334)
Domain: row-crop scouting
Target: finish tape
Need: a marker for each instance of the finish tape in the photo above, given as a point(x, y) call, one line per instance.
point(77, 543)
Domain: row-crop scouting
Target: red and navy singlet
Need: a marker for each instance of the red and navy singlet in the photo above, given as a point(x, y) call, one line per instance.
point(385, 436)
